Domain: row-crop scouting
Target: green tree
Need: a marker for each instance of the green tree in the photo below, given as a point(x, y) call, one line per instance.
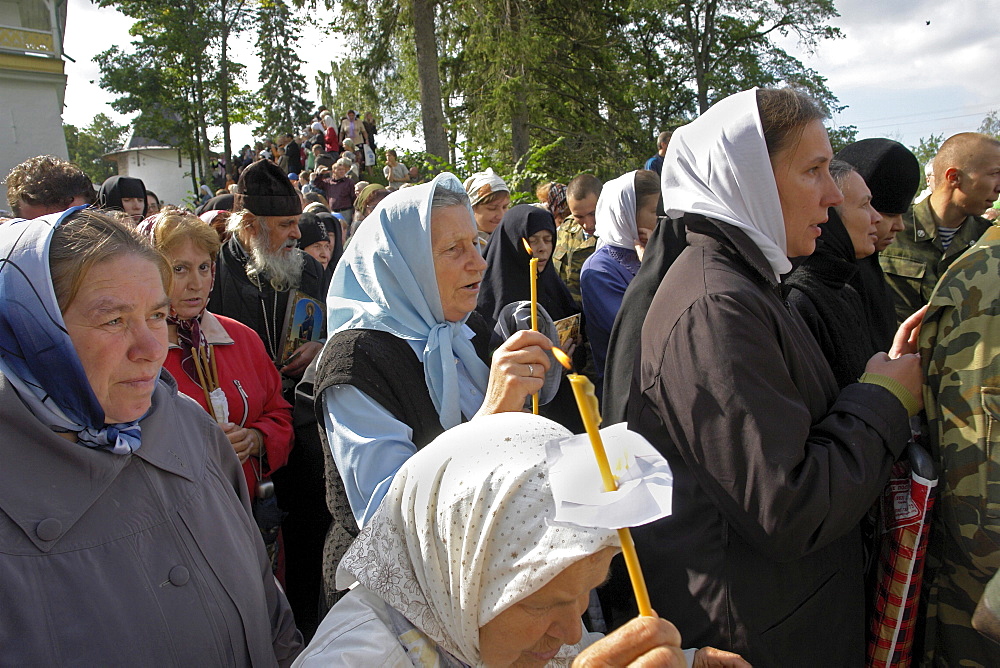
point(604, 75)
point(927, 148)
point(282, 85)
point(177, 74)
point(842, 135)
point(399, 41)
point(88, 146)
point(728, 45)
point(991, 125)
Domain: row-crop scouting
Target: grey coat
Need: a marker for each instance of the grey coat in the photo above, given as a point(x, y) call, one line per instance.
point(151, 559)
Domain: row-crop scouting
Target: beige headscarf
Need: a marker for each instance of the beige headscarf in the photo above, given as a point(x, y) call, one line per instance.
point(467, 530)
point(481, 185)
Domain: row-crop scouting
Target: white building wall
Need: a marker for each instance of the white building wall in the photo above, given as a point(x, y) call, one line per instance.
point(30, 120)
point(161, 170)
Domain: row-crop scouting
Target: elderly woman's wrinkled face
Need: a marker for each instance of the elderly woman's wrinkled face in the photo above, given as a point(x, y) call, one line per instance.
point(118, 325)
point(531, 631)
point(192, 272)
point(541, 243)
point(887, 228)
point(458, 265)
point(321, 251)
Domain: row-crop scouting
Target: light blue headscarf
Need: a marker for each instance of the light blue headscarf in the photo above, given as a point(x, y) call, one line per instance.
point(36, 354)
point(385, 281)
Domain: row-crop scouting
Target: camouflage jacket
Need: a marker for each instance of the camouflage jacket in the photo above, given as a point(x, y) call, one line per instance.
point(571, 251)
point(960, 351)
point(915, 261)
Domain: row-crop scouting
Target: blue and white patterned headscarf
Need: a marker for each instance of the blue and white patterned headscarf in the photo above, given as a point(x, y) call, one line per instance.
point(36, 354)
point(385, 281)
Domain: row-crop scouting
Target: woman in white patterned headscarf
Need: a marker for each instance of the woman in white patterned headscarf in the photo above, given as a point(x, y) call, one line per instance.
point(464, 564)
point(490, 199)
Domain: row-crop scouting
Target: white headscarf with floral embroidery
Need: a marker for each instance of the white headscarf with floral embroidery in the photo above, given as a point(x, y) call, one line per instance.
point(467, 530)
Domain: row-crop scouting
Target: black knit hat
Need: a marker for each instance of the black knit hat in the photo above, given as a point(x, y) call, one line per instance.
point(264, 190)
point(312, 230)
point(889, 169)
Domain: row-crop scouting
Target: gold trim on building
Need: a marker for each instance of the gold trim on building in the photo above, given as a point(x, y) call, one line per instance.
point(21, 39)
point(11, 61)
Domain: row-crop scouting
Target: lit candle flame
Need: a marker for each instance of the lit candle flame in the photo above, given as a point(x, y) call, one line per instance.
point(562, 358)
point(527, 246)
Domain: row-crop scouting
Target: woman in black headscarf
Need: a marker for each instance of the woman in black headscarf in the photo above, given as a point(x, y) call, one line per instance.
point(892, 173)
point(123, 193)
point(507, 280)
point(824, 289)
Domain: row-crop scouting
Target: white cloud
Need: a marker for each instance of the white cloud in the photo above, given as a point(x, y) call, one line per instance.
point(903, 77)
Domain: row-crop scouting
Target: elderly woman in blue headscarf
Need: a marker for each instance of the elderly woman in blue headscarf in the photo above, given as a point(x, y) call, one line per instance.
point(117, 495)
point(407, 356)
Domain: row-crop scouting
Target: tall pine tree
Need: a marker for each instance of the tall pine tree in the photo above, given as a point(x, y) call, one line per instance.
point(281, 102)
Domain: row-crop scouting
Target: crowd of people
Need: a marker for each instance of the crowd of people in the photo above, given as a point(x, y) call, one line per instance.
point(294, 424)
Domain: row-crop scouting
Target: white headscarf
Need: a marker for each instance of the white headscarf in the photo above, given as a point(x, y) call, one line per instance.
point(615, 214)
point(467, 530)
point(718, 166)
point(481, 185)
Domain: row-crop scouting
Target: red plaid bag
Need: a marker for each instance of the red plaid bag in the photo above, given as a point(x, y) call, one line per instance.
point(904, 515)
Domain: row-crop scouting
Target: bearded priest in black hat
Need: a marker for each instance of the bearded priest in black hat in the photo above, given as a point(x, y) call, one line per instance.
point(261, 266)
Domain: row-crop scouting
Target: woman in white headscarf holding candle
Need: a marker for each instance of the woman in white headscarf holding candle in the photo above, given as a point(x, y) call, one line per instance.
point(774, 466)
point(467, 562)
point(626, 216)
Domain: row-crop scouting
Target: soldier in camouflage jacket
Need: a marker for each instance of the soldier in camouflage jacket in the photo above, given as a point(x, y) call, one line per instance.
point(960, 347)
point(915, 261)
point(940, 228)
point(573, 247)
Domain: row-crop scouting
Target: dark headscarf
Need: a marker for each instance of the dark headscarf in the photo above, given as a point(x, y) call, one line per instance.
point(217, 203)
point(332, 223)
point(826, 293)
point(507, 264)
point(664, 245)
point(892, 173)
point(311, 230)
point(115, 188)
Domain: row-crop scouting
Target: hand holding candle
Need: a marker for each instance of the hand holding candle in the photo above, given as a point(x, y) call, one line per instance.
point(533, 274)
point(586, 401)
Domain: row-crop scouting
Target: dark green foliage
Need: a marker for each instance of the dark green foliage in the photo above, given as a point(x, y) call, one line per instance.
point(178, 75)
point(281, 103)
point(927, 148)
point(842, 136)
point(603, 77)
point(88, 146)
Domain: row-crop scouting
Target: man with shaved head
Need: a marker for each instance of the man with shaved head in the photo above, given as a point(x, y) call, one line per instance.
point(575, 240)
point(938, 229)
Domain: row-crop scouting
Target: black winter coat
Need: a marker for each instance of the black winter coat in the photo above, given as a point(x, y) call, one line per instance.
point(773, 467)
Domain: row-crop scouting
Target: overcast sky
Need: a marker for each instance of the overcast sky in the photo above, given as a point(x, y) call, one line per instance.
point(905, 68)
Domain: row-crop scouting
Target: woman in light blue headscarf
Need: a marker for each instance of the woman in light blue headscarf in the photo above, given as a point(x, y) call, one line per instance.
point(116, 494)
point(407, 358)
